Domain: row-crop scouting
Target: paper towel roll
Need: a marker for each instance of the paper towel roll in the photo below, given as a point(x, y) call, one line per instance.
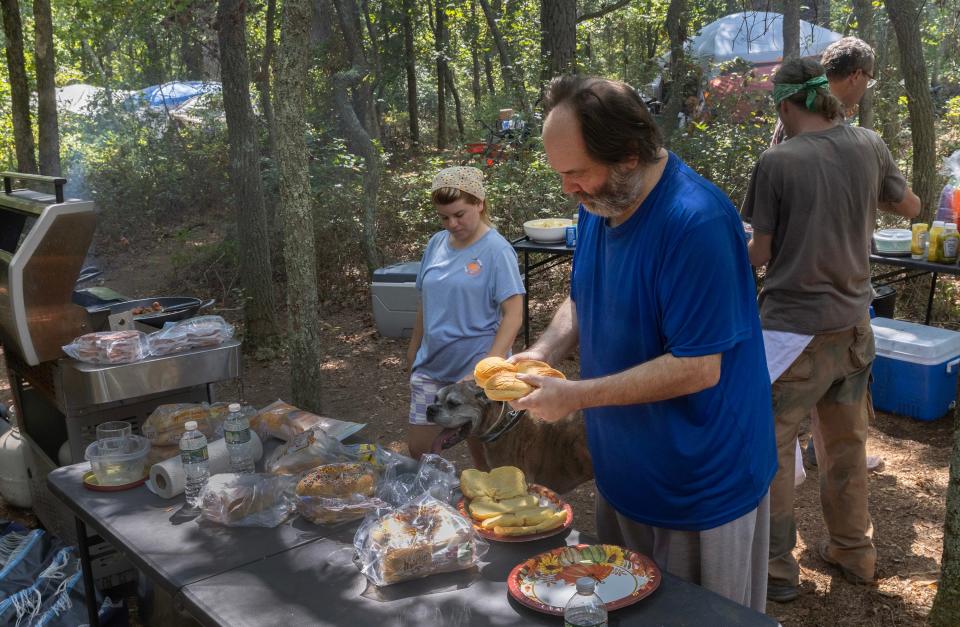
point(168, 480)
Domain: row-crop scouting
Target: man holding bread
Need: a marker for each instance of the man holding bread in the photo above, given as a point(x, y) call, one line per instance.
point(674, 384)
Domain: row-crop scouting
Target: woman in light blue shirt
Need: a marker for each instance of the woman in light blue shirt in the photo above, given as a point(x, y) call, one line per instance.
point(471, 298)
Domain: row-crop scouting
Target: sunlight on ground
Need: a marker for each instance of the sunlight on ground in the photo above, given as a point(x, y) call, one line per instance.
point(333, 364)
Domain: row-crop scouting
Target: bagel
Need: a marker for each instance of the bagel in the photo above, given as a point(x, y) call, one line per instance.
point(338, 481)
point(505, 386)
point(489, 366)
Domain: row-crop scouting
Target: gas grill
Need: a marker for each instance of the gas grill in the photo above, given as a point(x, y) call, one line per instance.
point(44, 239)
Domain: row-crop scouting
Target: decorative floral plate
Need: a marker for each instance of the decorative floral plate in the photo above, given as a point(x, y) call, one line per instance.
point(547, 581)
point(537, 490)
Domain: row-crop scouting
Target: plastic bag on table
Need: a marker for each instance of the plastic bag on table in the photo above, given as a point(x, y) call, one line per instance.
point(109, 347)
point(335, 493)
point(418, 539)
point(196, 332)
point(164, 426)
point(434, 475)
point(304, 452)
point(284, 421)
point(248, 500)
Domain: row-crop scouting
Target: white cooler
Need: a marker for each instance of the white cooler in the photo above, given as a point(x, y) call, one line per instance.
point(395, 298)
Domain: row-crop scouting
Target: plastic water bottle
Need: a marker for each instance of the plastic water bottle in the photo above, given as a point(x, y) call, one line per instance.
point(585, 608)
point(236, 433)
point(196, 464)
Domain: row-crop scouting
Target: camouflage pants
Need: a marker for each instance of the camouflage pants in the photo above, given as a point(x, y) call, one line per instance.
point(831, 375)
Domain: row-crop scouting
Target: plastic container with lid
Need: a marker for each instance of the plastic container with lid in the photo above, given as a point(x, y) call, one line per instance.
point(915, 371)
point(893, 241)
point(119, 468)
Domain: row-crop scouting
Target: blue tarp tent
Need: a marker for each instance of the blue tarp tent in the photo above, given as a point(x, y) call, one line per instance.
point(757, 37)
point(171, 95)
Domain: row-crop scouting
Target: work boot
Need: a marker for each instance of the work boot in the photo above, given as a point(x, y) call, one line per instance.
point(849, 575)
point(782, 593)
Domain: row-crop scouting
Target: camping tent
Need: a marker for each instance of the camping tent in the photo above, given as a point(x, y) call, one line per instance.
point(173, 94)
point(84, 99)
point(757, 37)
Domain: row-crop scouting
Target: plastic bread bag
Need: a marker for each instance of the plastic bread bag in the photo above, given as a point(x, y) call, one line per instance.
point(380, 458)
point(248, 500)
point(109, 347)
point(196, 332)
point(340, 492)
point(284, 421)
point(306, 451)
point(418, 539)
point(434, 476)
point(164, 426)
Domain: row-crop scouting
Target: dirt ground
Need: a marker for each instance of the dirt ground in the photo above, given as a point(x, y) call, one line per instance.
point(364, 381)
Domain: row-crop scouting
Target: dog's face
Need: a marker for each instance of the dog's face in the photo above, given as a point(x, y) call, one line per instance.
point(459, 409)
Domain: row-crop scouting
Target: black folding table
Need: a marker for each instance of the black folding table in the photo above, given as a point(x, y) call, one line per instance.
point(547, 256)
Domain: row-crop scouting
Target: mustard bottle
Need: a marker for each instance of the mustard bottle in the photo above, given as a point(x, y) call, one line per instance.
point(918, 244)
point(947, 249)
point(933, 246)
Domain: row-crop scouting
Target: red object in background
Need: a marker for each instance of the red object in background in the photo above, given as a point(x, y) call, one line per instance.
point(746, 90)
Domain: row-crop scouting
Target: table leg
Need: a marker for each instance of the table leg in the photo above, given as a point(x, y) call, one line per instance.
point(88, 590)
point(933, 288)
point(526, 300)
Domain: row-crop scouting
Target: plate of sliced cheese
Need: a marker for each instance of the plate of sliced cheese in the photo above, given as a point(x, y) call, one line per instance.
point(503, 507)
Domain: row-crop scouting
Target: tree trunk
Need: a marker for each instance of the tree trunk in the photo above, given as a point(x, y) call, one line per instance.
point(440, 10)
point(153, 63)
point(410, 65)
point(511, 82)
point(253, 234)
point(488, 72)
point(888, 89)
point(296, 211)
point(458, 109)
point(904, 15)
point(558, 37)
point(473, 34)
point(263, 76)
point(48, 129)
point(946, 605)
point(19, 88)
point(863, 11)
point(791, 29)
point(360, 137)
point(676, 27)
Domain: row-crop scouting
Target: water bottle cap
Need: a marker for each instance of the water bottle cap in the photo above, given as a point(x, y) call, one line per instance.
point(191, 425)
point(233, 407)
point(586, 585)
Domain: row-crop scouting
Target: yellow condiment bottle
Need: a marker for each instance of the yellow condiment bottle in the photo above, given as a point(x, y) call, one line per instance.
point(933, 244)
point(947, 248)
point(918, 241)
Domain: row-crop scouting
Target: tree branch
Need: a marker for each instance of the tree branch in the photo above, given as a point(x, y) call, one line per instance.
point(610, 8)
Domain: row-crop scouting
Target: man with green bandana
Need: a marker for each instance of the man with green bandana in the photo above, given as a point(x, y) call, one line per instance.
point(812, 202)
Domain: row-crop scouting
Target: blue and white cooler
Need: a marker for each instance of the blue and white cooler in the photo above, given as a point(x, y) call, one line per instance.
point(915, 372)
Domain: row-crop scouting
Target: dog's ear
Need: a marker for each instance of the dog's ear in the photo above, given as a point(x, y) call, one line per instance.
point(475, 389)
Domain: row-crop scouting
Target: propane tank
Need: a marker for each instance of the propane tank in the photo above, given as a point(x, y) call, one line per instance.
point(14, 481)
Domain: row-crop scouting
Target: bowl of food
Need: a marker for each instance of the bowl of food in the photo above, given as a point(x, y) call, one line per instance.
point(546, 230)
point(119, 467)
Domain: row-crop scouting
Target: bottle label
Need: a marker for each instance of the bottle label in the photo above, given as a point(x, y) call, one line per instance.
point(240, 436)
point(195, 456)
point(950, 248)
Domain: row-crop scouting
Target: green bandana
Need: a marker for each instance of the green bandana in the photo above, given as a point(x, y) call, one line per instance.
point(785, 90)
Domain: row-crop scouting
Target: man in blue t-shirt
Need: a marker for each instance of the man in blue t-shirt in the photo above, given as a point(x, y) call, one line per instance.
point(674, 382)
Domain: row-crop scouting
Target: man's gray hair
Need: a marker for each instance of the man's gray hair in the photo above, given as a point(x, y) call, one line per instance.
point(845, 56)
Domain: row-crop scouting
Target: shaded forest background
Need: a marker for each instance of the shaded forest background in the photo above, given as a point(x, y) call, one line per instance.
point(334, 115)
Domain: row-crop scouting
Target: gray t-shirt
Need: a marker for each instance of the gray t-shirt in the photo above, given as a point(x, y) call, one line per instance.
point(817, 194)
point(461, 291)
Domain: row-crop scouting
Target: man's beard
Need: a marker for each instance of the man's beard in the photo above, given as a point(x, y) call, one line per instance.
point(618, 195)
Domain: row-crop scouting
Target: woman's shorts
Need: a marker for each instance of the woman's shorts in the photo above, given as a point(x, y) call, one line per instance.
point(423, 392)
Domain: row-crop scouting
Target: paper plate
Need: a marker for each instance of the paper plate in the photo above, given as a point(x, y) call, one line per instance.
point(90, 482)
point(537, 490)
point(547, 581)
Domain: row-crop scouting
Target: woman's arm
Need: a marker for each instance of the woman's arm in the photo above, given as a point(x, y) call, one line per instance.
point(415, 338)
point(512, 319)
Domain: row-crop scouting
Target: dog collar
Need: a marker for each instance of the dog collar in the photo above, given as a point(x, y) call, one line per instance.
point(513, 418)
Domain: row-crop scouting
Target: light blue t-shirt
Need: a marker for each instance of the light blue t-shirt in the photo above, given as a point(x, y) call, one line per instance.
point(461, 292)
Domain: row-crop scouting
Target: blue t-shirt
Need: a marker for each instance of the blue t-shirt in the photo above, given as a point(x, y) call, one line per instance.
point(461, 292)
point(675, 278)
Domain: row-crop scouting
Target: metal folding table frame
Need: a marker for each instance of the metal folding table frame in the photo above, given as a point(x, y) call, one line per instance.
point(912, 268)
point(553, 255)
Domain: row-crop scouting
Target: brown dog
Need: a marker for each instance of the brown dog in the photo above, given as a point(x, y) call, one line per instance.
point(551, 454)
